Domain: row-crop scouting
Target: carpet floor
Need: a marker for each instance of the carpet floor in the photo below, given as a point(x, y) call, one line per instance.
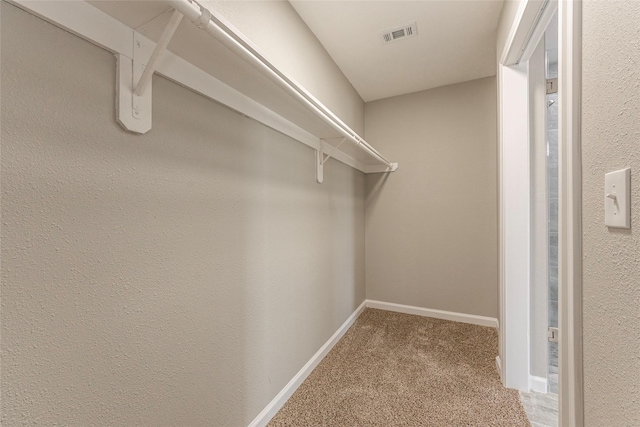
point(393, 369)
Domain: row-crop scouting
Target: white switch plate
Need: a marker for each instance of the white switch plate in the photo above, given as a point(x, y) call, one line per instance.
point(617, 199)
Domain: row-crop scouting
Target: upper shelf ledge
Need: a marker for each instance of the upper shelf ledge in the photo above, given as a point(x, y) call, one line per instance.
point(218, 27)
point(227, 68)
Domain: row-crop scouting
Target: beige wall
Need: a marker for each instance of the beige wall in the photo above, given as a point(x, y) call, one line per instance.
point(285, 39)
point(611, 258)
point(431, 229)
point(507, 16)
point(176, 278)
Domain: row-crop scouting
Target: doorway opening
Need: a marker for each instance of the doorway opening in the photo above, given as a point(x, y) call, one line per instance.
point(516, 346)
point(540, 400)
point(551, 133)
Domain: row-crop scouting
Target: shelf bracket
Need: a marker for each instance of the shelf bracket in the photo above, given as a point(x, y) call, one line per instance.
point(133, 100)
point(321, 159)
point(132, 112)
point(320, 163)
point(334, 150)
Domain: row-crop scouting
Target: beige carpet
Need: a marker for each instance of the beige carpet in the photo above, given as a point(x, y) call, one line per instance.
point(393, 369)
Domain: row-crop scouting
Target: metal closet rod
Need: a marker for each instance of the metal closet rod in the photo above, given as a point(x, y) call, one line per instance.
point(218, 28)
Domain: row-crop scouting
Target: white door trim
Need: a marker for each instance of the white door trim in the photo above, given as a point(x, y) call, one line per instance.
point(514, 225)
point(570, 215)
point(514, 325)
point(514, 364)
point(528, 28)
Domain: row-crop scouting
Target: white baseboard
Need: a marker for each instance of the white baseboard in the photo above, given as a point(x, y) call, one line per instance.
point(499, 366)
point(537, 384)
point(274, 406)
point(438, 314)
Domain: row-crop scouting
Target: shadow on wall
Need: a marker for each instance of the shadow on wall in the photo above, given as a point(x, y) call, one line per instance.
point(375, 184)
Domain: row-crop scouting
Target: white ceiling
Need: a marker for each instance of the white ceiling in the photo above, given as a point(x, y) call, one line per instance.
point(455, 42)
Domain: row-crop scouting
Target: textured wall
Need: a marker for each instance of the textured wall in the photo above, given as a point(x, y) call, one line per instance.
point(611, 260)
point(176, 278)
point(431, 229)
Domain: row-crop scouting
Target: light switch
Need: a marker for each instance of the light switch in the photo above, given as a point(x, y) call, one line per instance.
point(617, 199)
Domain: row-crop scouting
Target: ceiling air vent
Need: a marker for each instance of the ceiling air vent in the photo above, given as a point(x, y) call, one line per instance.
point(400, 33)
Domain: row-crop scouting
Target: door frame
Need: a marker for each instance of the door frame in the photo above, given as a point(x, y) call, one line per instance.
point(570, 214)
point(514, 186)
